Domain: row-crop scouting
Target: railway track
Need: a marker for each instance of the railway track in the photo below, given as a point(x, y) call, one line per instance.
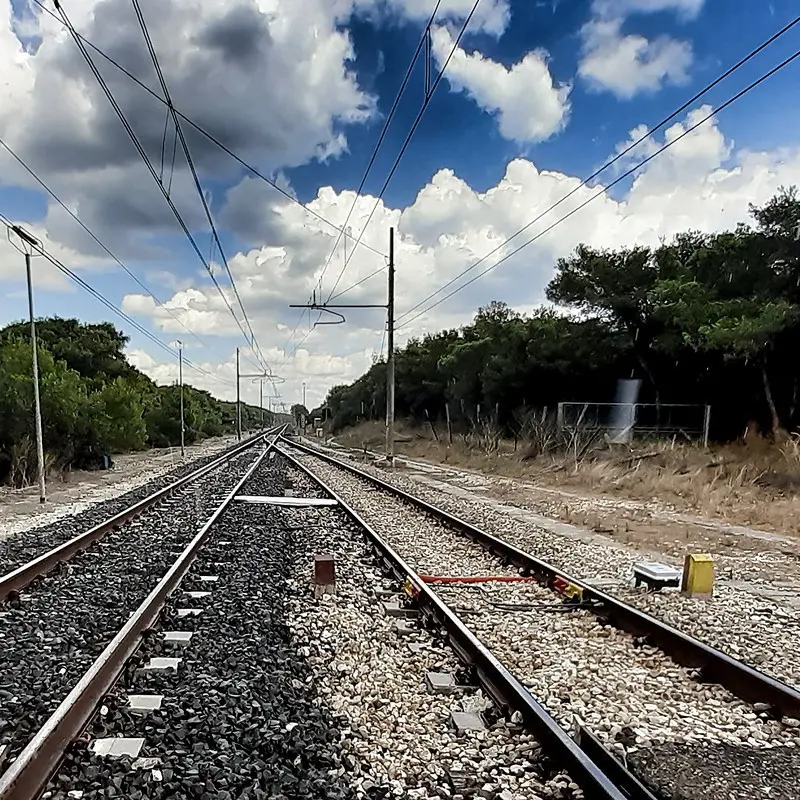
point(642, 688)
point(278, 694)
point(62, 608)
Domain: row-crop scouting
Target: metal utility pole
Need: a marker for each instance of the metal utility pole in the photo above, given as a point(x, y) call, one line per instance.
point(390, 356)
point(180, 381)
point(326, 307)
point(260, 377)
point(33, 243)
point(238, 404)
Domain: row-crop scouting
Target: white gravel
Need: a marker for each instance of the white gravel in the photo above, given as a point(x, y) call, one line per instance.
point(579, 669)
point(748, 617)
point(364, 671)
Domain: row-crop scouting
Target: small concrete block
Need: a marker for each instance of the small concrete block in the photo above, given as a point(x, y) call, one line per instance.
point(393, 609)
point(440, 682)
point(208, 578)
point(177, 637)
point(189, 612)
point(402, 628)
point(324, 575)
point(466, 721)
point(417, 647)
point(197, 595)
point(117, 746)
point(161, 664)
point(145, 702)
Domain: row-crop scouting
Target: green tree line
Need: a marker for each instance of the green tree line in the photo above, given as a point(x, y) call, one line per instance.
point(94, 402)
point(701, 319)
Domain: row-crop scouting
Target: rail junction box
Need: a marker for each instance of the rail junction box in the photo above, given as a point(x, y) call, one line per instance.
point(656, 576)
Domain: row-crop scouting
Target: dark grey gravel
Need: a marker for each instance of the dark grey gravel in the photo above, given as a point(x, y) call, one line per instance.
point(718, 771)
point(58, 627)
point(239, 719)
point(22, 547)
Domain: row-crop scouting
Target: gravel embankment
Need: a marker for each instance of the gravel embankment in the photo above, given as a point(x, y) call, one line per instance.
point(758, 630)
point(57, 629)
point(281, 695)
point(630, 696)
point(20, 545)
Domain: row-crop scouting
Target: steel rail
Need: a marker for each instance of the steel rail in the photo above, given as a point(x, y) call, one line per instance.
point(22, 576)
point(27, 776)
point(742, 680)
point(504, 688)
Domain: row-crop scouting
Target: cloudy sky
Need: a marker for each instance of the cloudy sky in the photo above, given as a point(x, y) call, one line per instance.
point(536, 96)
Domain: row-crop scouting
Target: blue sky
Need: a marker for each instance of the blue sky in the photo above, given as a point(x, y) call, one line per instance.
point(537, 95)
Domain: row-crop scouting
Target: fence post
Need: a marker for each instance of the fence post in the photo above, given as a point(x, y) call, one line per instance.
point(706, 424)
point(449, 427)
point(560, 416)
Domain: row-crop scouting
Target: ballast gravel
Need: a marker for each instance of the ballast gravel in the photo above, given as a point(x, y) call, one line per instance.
point(284, 695)
point(632, 697)
point(59, 625)
point(748, 616)
point(20, 544)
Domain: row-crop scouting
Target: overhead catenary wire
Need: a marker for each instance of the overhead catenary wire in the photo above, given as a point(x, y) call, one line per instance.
point(185, 147)
point(384, 131)
point(428, 96)
point(222, 146)
point(602, 169)
point(603, 190)
point(97, 241)
point(370, 164)
point(61, 267)
point(143, 155)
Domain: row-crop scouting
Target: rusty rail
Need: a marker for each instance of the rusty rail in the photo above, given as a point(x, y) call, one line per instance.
point(22, 576)
point(504, 688)
point(742, 680)
point(27, 776)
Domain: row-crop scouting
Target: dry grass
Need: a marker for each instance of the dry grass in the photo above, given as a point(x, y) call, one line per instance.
point(754, 484)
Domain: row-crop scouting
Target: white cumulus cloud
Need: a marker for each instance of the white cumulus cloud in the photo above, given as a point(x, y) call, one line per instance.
point(628, 64)
point(529, 106)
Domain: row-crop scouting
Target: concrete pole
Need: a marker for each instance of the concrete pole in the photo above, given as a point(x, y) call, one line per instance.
point(180, 381)
point(36, 398)
point(238, 404)
point(390, 356)
point(261, 401)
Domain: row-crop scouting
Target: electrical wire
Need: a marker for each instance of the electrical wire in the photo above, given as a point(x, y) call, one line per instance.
point(80, 222)
point(59, 265)
point(132, 135)
point(185, 147)
point(603, 190)
point(408, 138)
point(381, 138)
point(605, 166)
point(371, 163)
point(249, 167)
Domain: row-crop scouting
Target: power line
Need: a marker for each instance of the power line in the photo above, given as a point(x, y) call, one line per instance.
point(395, 104)
point(389, 118)
point(80, 222)
point(249, 167)
point(190, 163)
point(108, 303)
point(132, 135)
point(603, 191)
point(426, 102)
point(605, 166)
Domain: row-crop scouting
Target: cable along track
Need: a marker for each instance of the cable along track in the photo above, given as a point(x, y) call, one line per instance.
point(635, 684)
